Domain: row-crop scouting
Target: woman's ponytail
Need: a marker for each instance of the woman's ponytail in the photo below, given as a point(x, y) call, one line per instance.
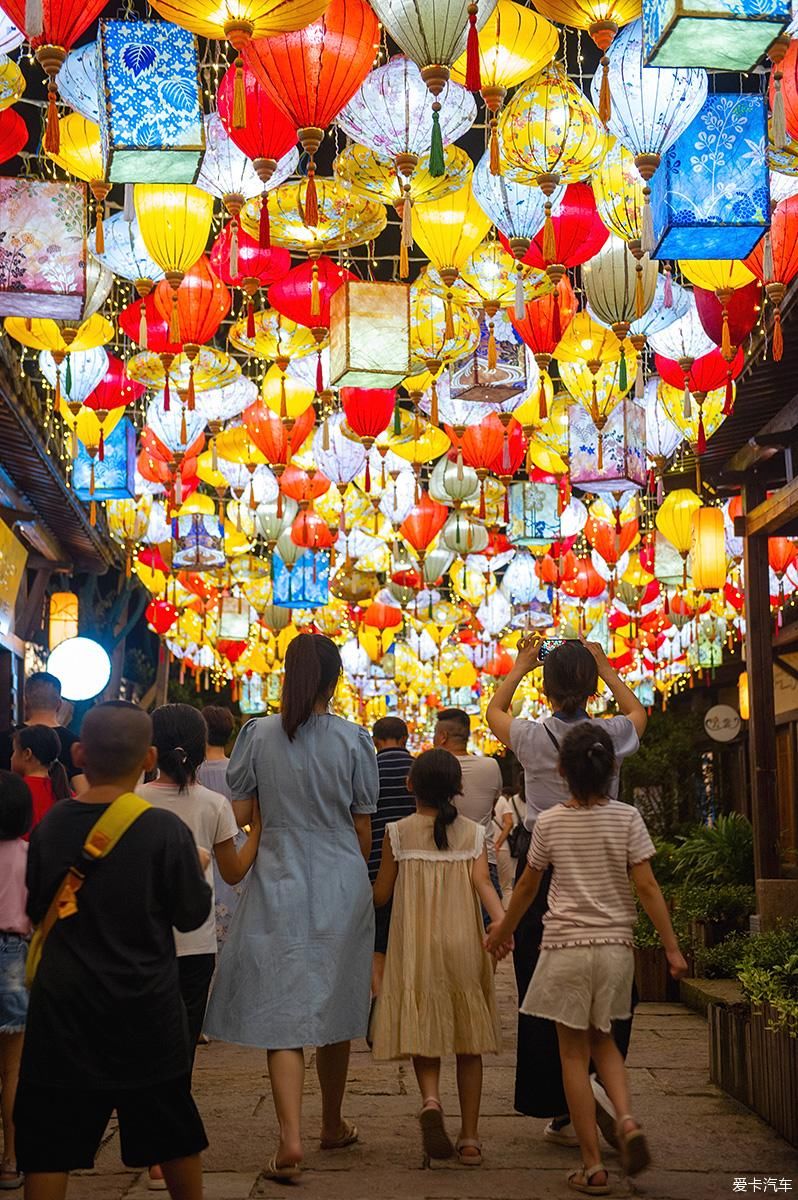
point(312, 667)
point(59, 779)
point(435, 779)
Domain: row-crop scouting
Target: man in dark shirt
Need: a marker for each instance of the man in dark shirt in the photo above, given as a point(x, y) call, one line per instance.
point(42, 705)
point(395, 802)
point(106, 1026)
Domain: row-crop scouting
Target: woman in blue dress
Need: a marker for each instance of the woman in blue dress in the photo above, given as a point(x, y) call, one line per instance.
point(296, 968)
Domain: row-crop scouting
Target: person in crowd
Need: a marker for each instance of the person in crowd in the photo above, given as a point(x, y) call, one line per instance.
point(296, 968)
point(571, 672)
point(43, 705)
point(395, 802)
point(213, 774)
point(506, 817)
point(16, 817)
point(482, 778)
point(106, 1024)
point(438, 994)
point(36, 758)
point(583, 977)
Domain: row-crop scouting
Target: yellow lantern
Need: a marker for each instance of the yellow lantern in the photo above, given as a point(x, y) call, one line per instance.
point(63, 621)
point(286, 395)
point(12, 82)
point(710, 408)
point(344, 219)
point(369, 174)
point(514, 44)
point(439, 332)
point(59, 337)
point(721, 276)
point(80, 153)
point(599, 386)
point(422, 443)
point(674, 519)
point(743, 697)
point(708, 549)
point(174, 220)
point(448, 231)
point(276, 339)
point(618, 190)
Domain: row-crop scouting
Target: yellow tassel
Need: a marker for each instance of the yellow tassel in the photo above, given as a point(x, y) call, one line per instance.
point(99, 230)
point(495, 160)
point(449, 331)
point(174, 322)
point(91, 478)
point(315, 297)
point(594, 408)
point(239, 94)
point(93, 513)
point(725, 338)
point(433, 412)
point(183, 428)
point(143, 327)
point(283, 401)
point(549, 239)
point(491, 347)
point(404, 262)
point(325, 436)
point(640, 299)
point(190, 393)
point(600, 454)
point(605, 99)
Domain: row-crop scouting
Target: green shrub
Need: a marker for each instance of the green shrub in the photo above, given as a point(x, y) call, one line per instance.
point(722, 853)
point(724, 902)
point(723, 961)
point(768, 973)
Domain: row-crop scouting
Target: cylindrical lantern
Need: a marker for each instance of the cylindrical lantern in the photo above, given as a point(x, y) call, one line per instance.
point(63, 624)
point(742, 696)
point(708, 549)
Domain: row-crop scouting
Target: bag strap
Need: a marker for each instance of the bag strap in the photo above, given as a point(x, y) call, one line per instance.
point(515, 810)
point(554, 741)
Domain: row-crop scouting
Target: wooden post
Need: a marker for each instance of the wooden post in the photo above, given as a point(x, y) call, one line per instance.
point(762, 721)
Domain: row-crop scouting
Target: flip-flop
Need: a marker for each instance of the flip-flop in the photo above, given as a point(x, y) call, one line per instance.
point(347, 1138)
point(437, 1143)
point(283, 1174)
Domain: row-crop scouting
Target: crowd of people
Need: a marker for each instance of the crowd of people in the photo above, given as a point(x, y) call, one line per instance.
point(351, 893)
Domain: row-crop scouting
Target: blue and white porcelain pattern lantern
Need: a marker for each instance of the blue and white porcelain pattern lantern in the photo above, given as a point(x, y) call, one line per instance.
point(710, 197)
point(151, 106)
point(534, 513)
point(726, 35)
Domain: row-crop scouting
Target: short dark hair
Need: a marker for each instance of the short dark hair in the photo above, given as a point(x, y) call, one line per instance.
point(220, 724)
point(115, 738)
point(312, 668)
point(458, 722)
point(43, 690)
point(435, 779)
point(587, 760)
point(570, 676)
point(179, 734)
point(390, 729)
point(16, 807)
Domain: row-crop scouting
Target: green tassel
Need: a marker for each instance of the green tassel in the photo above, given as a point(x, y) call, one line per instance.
point(622, 381)
point(397, 419)
point(68, 377)
point(437, 166)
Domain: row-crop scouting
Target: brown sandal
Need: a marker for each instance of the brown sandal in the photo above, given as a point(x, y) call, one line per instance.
point(347, 1138)
point(469, 1160)
point(632, 1146)
point(435, 1139)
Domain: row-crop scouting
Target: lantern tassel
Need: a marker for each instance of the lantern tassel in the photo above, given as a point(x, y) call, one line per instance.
point(99, 229)
point(404, 262)
point(482, 501)
point(556, 322)
point(640, 383)
point(437, 165)
point(594, 408)
point(433, 412)
point(325, 436)
point(166, 393)
point(640, 300)
point(319, 374)
point(179, 488)
point(543, 410)
point(778, 336)
point(250, 318)
point(549, 238)
point(280, 505)
point(491, 347)
point(472, 79)
point(129, 208)
point(507, 506)
point(520, 298)
point(495, 157)
point(311, 197)
point(174, 322)
point(264, 227)
point(101, 446)
point(143, 326)
point(460, 464)
point(68, 376)
point(449, 318)
point(52, 133)
point(91, 478)
point(725, 337)
point(701, 444)
point(647, 226)
point(74, 447)
point(34, 19)
point(58, 387)
point(687, 407)
point(600, 452)
point(190, 392)
point(622, 379)
point(667, 291)
point(239, 94)
point(367, 480)
point(315, 296)
point(728, 403)
point(93, 513)
point(283, 401)
point(605, 98)
point(767, 260)
point(183, 427)
point(397, 418)
point(214, 456)
point(234, 250)
point(506, 460)
point(406, 236)
point(778, 124)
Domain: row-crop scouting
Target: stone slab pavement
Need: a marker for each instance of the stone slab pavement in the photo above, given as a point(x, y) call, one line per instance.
point(702, 1141)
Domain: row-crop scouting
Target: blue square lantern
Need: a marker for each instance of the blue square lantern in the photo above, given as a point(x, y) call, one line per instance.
point(115, 476)
point(721, 35)
point(306, 585)
point(150, 102)
point(710, 196)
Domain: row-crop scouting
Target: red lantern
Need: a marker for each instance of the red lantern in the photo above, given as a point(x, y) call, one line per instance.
point(587, 583)
point(479, 444)
point(13, 134)
point(579, 232)
point(705, 374)
point(513, 450)
point(739, 313)
point(782, 553)
point(144, 325)
point(115, 390)
point(151, 557)
point(311, 531)
point(610, 540)
point(303, 486)
point(368, 411)
point(546, 320)
point(423, 523)
point(258, 265)
point(271, 436)
point(203, 302)
point(161, 615)
point(231, 650)
point(304, 293)
point(774, 260)
point(382, 616)
point(786, 69)
point(501, 663)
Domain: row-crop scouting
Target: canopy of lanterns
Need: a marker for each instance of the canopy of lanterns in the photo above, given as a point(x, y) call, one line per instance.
point(421, 400)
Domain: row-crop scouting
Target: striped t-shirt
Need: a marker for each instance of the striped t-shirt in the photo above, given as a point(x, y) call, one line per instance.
point(395, 801)
point(590, 851)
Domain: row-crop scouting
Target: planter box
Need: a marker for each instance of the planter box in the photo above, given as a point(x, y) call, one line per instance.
point(756, 1064)
point(707, 934)
point(653, 980)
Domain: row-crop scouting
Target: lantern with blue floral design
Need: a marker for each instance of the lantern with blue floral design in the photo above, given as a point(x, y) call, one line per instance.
point(111, 477)
point(727, 35)
point(534, 513)
point(151, 108)
point(710, 197)
point(613, 460)
point(305, 584)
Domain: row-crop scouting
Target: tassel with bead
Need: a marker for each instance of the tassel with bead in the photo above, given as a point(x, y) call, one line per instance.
point(449, 318)
point(600, 452)
point(214, 456)
point(166, 393)
point(460, 464)
point(52, 133)
point(605, 98)
point(667, 291)
point(437, 164)
point(506, 460)
point(93, 513)
point(283, 400)
point(311, 197)
point(319, 374)
point(520, 298)
point(58, 387)
point(725, 337)
point(594, 408)
point(778, 336)
point(92, 481)
point(640, 383)
point(68, 376)
point(315, 294)
point(101, 446)
point(99, 228)
point(239, 94)
point(433, 411)
point(406, 234)
point(280, 505)
point(543, 410)
point(325, 436)
point(701, 443)
point(250, 318)
point(495, 158)
point(647, 224)
point(179, 488)
point(767, 260)
point(482, 500)
point(472, 79)
point(556, 320)
point(778, 122)
point(491, 347)
point(367, 480)
point(640, 300)
point(507, 506)
point(549, 238)
point(174, 321)
point(622, 377)
point(234, 249)
point(191, 397)
point(129, 207)
point(183, 427)
point(143, 326)
point(264, 227)
point(687, 407)
point(728, 402)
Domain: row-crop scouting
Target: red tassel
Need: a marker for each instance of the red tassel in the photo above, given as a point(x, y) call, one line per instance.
point(543, 408)
point(319, 374)
point(250, 318)
point(367, 480)
point(264, 228)
point(778, 336)
point(702, 437)
point(101, 446)
point(52, 132)
point(311, 198)
point(190, 395)
point(556, 323)
point(507, 506)
point(728, 404)
point(166, 396)
point(472, 80)
point(482, 501)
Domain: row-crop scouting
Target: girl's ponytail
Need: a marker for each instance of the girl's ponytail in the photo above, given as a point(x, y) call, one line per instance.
point(44, 745)
point(435, 779)
point(59, 779)
point(587, 761)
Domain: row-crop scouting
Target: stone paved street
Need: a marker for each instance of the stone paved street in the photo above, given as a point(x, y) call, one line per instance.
point(701, 1139)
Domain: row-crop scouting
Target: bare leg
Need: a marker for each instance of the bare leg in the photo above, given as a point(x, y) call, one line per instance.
point(332, 1067)
point(612, 1071)
point(469, 1089)
point(46, 1186)
point(184, 1177)
point(575, 1060)
point(10, 1054)
point(287, 1073)
point(428, 1074)
point(377, 973)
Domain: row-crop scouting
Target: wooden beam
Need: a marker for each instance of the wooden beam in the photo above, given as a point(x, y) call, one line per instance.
point(770, 516)
point(759, 664)
point(30, 617)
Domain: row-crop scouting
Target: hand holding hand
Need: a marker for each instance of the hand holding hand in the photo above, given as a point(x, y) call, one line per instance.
point(496, 941)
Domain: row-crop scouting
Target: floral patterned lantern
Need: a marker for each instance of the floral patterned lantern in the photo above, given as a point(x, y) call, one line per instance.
point(43, 251)
point(730, 36)
point(79, 83)
point(534, 513)
point(613, 459)
point(126, 255)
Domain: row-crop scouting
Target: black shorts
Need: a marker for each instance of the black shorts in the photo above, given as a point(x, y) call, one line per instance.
point(61, 1129)
point(382, 926)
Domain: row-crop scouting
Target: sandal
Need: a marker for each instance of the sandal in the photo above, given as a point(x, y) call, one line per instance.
point(632, 1146)
point(437, 1143)
point(469, 1160)
point(347, 1138)
point(10, 1177)
point(283, 1174)
point(580, 1181)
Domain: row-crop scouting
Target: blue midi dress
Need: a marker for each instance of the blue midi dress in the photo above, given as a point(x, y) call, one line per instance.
point(296, 967)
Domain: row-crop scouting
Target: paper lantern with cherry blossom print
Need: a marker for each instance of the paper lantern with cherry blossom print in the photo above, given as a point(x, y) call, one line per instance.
point(259, 266)
point(313, 72)
point(423, 524)
point(774, 261)
point(13, 134)
point(732, 321)
point(267, 137)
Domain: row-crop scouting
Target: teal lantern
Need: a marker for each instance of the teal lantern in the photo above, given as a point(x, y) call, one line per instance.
point(710, 196)
point(114, 475)
point(304, 585)
point(150, 102)
point(724, 35)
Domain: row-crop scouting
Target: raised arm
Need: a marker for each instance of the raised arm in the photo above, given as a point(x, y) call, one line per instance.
point(628, 703)
point(498, 711)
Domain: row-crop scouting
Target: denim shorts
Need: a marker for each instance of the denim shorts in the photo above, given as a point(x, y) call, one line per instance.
point(13, 993)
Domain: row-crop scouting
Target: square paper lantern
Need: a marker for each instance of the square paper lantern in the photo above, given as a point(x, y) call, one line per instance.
point(369, 334)
point(151, 109)
point(534, 517)
point(306, 585)
point(234, 619)
point(42, 249)
point(198, 542)
point(613, 460)
point(724, 35)
point(471, 378)
point(709, 196)
point(115, 476)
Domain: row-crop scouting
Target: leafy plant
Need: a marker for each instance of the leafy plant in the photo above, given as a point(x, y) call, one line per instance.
point(724, 902)
point(723, 961)
point(663, 778)
point(722, 853)
point(768, 973)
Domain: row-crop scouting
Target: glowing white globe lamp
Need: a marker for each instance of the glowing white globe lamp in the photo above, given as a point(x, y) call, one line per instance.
point(82, 667)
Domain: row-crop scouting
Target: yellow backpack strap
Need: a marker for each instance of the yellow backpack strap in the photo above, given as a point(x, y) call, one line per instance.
point(113, 824)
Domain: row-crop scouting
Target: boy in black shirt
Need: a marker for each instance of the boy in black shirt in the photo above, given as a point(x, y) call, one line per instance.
point(106, 1026)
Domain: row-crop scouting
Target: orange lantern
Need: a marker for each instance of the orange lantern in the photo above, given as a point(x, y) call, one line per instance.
point(423, 523)
point(774, 261)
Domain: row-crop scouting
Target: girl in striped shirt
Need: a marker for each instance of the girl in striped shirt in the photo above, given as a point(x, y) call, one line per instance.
point(583, 979)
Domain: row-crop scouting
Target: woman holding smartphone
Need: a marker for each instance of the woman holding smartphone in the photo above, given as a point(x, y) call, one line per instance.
point(571, 671)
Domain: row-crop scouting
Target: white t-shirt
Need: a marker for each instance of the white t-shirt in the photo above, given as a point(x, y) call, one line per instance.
point(482, 785)
point(540, 758)
point(591, 850)
point(209, 816)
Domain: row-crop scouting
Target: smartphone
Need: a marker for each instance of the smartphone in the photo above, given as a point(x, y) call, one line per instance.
point(547, 645)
